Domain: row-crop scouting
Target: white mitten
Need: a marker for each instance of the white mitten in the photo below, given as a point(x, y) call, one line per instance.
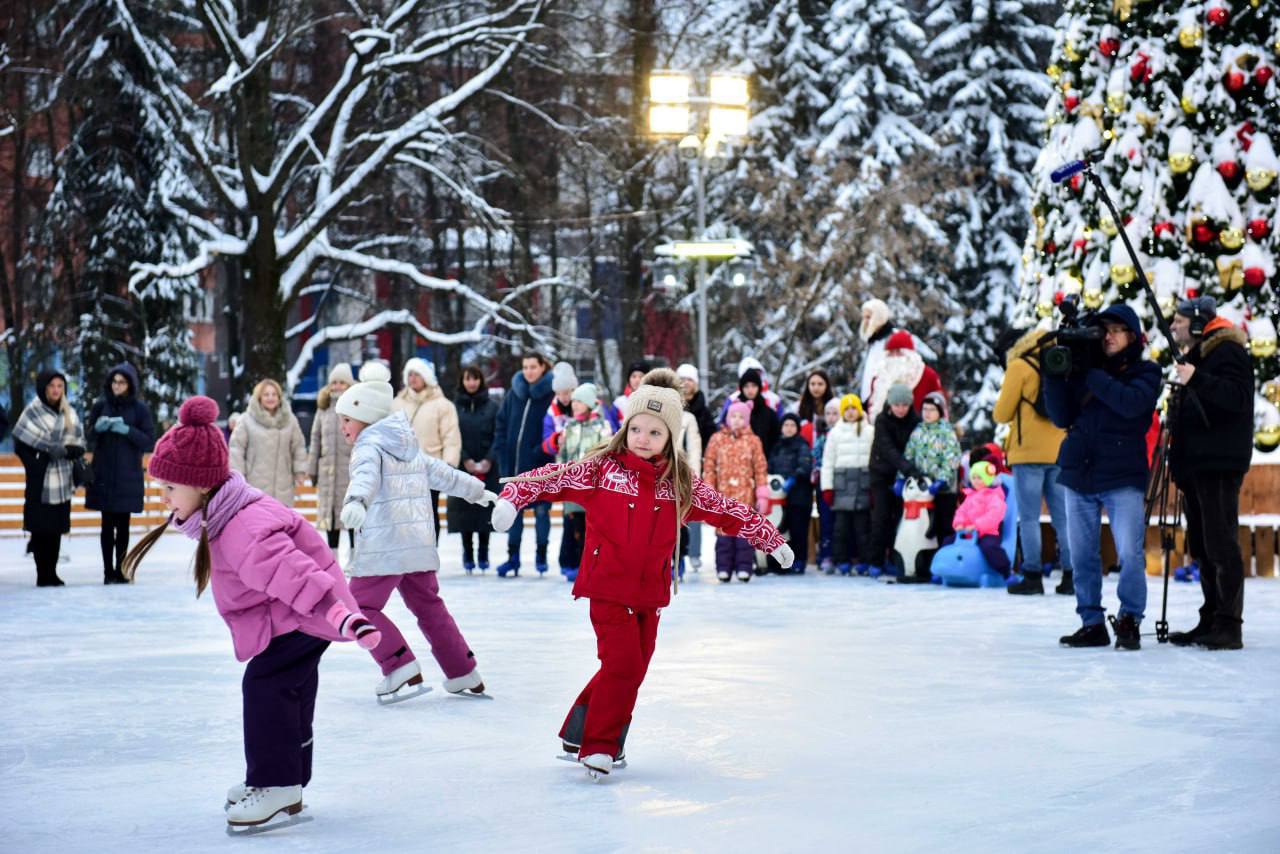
point(783, 555)
point(488, 499)
point(503, 516)
point(352, 517)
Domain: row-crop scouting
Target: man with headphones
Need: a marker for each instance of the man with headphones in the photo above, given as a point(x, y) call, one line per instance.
point(1212, 434)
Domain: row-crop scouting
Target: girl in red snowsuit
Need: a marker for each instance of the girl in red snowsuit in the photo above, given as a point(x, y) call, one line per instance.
point(637, 493)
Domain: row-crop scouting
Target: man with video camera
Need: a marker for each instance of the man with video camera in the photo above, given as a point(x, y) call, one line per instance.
point(1212, 445)
point(1105, 402)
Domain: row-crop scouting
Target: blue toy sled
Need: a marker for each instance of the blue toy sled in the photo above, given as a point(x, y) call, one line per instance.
point(961, 564)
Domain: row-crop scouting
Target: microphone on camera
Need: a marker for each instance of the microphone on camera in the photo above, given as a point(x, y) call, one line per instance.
point(1075, 167)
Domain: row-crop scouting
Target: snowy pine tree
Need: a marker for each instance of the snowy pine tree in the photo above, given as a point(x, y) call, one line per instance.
point(1185, 103)
point(987, 96)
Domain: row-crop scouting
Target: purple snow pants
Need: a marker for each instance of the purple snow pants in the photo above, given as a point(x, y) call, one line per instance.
point(279, 688)
point(734, 554)
point(421, 594)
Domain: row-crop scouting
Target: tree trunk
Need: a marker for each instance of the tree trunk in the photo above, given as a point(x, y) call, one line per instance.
point(643, 27)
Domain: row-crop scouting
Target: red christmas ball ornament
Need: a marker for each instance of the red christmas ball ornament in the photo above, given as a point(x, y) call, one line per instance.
point(1070, 102)
point(1140, 71)
point(1164, 228)
point(1234, 81)
point(1245, 134)
point(1259, 229)
point(1109, 47)
point(1050, 247)
point(1079, 244)
point(1255, 277)
point(1192, 293)
point(1077, 181)
point(1219, 16)
point(1203, 233)
point(1229, 170)
point(1262, 75)
point(1058, 297)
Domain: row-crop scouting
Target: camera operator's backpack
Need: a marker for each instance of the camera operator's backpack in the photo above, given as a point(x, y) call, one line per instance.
point(1038, 404)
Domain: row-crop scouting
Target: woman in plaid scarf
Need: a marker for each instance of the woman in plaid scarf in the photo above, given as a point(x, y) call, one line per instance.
point(48, 438)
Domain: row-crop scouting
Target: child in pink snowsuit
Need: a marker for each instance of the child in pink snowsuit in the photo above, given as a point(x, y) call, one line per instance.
point(983, 511)
point(388, 503)
point(278, 588)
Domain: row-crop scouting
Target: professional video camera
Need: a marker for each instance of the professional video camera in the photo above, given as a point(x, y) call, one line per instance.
point(1076, 345)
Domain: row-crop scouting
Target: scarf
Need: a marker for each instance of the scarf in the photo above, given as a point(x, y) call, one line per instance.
point(232, 497)
point(44, 428)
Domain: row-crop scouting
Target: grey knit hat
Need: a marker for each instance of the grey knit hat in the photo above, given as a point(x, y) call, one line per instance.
point(899, 393)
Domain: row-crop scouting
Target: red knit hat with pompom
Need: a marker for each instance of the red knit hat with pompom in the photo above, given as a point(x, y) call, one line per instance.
point(900, 340)
point(193, 452)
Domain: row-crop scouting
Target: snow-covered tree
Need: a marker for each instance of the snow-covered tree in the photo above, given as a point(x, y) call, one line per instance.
point(1185, 103)
point(286, 114)
point(987, 95)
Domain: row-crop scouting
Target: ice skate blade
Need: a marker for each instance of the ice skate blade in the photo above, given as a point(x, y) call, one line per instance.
point(470, 695)
point(403, 694)
point(291, 815)
point(573, 757)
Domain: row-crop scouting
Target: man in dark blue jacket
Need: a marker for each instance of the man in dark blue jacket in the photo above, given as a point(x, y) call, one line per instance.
point(517, 445)
point(1106, 410)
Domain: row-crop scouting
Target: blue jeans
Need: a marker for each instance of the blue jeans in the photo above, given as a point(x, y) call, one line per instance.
point(1125, 510)
point(1031, 481)
point(541, 527)
point(695, 540)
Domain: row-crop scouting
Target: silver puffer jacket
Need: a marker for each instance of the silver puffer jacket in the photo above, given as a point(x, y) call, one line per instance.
point(393, 478)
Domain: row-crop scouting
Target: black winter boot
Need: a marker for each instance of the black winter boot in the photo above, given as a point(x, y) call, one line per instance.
point(1066, 587)
point(1224, 635)
point(1126, 629)
point(1032, 584)
point(1095, 635)
point(1192, 637)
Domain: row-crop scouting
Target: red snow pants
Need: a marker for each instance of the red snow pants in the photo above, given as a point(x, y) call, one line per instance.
point(625, 639)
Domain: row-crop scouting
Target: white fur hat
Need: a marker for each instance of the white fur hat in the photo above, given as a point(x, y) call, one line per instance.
point(375, 371)
point(880, 315)
point(422, 368)
point(688, 372)
point(749, 362)
point(563, 378)
point(367, 401)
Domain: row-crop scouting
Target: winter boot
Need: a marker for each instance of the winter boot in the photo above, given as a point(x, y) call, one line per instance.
point(540, 560)
point(744, 575)
point(1225, 634)
point(1031, 584)
point(1191, 638)
point(570, 574)
point(797, 568)
point(1095, 635)
point(844, 568)
point(827, 565)
point(468, 564)
point(511, 565)
point(695, 563)
point(483, 564)
point(259, 806)
point(724, 575)
point(864, 569)
point(1126, 629)
point(1066, 587)
point(680, 569)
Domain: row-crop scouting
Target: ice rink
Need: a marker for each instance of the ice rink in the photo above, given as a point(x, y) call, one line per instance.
point(789, 714)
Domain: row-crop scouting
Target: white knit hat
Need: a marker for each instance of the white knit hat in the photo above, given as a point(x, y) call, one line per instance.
point(657, 396)
point(749, 362)
point(341, 372)
point(367, 401)
point(563, 378)
point(375, 371)
point(687, 372)
point(422, 368)
point(587, 395)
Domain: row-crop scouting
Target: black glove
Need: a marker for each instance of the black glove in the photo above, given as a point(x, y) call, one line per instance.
point(73, 452)
point(55, 452)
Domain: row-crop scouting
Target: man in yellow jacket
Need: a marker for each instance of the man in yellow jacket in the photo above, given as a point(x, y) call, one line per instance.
point(1032, 451)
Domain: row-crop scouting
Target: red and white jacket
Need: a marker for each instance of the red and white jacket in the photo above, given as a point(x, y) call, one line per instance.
point(631, 524)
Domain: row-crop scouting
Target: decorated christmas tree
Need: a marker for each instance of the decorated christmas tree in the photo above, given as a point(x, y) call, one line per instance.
point(1182, 104)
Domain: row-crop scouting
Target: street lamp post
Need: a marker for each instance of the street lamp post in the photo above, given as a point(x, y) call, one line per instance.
point(725, 117)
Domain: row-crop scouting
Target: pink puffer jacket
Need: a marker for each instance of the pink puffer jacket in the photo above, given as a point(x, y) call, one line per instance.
point(272, 571)
point(983, 510)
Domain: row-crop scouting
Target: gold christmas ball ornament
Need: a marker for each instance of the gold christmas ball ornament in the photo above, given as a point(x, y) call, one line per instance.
point(1262, 348)
point(1189, 106)
point(1093, 298)
point(1054, 71)
point(1259, 179)
point(1070, 52)
point(1156, 353)
point(1108, 226)
point(1231, 238)
point(1044, 309)
point(1267, 439)
point(1123, 274)
point(1271, 391)
point(1115, 102)
point(1181, 162)
point(1190, 37)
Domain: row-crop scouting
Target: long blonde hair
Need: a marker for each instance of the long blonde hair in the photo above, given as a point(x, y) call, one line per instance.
point(676, 471)
point(203, 562)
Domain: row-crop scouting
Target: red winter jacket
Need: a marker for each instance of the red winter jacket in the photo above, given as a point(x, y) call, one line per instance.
point(631, 524)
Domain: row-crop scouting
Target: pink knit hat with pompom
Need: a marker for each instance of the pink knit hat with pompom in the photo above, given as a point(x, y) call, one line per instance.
point(192, 452)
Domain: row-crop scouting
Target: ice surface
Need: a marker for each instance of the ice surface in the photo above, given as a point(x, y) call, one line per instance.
point(795, 714)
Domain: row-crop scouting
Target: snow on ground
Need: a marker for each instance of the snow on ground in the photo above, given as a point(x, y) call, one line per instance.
point(788, 714)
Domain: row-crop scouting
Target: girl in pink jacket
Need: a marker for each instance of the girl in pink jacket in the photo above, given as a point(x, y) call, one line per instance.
point(983, 512)
point(278, 588)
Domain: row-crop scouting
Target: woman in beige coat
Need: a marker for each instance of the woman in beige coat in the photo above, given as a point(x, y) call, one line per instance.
point(267, 446)
point(433, 417)
point(329, 462)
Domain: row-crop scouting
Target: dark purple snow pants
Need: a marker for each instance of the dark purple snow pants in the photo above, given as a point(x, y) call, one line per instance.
point(734, 554)
point(279, 688)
